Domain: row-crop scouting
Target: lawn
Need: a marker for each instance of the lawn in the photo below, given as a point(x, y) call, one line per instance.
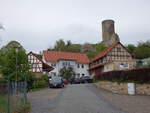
point(3, 104)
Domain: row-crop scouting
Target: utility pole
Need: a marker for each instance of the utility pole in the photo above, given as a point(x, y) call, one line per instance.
point(16, 78)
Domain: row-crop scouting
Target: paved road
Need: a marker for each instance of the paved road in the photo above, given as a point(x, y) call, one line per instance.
point(81, 98)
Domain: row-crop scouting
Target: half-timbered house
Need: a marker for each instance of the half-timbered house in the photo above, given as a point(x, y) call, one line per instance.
point(37, 65)
point(115, 57)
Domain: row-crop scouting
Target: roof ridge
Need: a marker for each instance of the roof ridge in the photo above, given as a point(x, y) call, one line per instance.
point(105, 51)
point(64, 52)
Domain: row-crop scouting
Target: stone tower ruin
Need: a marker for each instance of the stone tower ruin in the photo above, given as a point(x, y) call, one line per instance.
point(108, 33)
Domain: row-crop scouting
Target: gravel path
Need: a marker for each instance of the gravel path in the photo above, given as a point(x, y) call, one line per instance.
point(81, 98)
point(130, 104)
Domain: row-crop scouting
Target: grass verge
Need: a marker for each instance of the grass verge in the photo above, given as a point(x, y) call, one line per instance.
point(3, 104)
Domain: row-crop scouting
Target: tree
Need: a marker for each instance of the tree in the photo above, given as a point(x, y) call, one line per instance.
point(142, 50)
point(14, 65)
point(98, 48)
point(66, 72)
point(60, 45)
point(68, 43)
point(131, 48)
point(9, 46)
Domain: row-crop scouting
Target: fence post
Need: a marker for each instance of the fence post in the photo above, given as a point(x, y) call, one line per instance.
point(25, 91)
point(8, 101)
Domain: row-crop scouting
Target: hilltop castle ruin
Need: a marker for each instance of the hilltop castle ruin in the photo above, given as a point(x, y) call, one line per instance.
point(108, 33)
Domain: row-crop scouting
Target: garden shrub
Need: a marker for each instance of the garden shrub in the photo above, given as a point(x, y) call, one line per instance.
point(40, 82)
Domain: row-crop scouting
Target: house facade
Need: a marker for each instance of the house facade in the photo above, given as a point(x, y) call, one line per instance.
point(37, 65)
point(115, 57)
point(58, 60)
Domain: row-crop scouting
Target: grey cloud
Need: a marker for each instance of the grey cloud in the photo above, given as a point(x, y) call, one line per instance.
point(37, 24)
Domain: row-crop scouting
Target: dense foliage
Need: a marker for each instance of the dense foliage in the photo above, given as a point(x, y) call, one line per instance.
point(90, 49)
point(37, 82)
point(98, 48)
point(136, 75)
point(141, 51)
point(13, 64)
point(61, 45)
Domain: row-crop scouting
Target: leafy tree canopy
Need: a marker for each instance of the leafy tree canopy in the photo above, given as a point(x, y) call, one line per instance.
point(141, 51)
point(90, 49)
point(66, 72)
point(9, 46)
point(61, 45)
point(98, 48)
point(14, 64)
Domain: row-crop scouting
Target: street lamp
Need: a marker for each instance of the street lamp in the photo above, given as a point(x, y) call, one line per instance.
point(17, 48)
point(16, 78)
point(16, 51)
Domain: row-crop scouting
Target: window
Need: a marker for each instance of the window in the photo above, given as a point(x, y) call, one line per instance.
point(124, 65)
point(78, 65)
point(68, 63)
point(63, 64)
point(53, 64)
point(82, 65)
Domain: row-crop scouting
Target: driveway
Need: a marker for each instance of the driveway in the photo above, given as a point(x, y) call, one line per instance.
point(80, 98)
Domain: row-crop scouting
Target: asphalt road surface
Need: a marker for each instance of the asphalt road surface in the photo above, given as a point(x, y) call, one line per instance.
point(79, 98)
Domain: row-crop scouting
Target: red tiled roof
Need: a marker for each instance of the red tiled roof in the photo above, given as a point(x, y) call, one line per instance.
point(52, 56)
point(105, 51)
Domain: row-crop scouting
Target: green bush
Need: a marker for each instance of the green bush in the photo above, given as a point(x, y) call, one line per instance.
point(2, 80)
point(40, 83)
point(35, 83)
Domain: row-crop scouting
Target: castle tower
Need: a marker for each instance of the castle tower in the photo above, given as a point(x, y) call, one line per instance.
point(108, 33)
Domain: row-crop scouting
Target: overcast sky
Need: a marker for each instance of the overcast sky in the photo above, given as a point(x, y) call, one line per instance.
point(37, 24)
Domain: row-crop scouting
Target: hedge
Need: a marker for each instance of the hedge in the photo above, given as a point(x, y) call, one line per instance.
point(34, 82)
point(135, 75)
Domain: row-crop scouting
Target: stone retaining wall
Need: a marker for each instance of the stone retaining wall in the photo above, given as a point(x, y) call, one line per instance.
point(142, 89)
point(122, 88)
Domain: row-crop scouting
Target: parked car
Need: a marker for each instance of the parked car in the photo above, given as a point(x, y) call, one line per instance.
point(75, 81)
point(86, 79)
point(56, 82)
point(65, 81)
